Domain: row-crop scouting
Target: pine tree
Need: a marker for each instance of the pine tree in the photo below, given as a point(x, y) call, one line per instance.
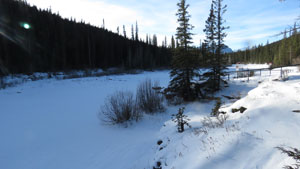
point(214, 41)
point(124, 32)
point(183, 31)
point(103, 24)
point(132, 32)
point(210, 31)
point(220, 35)
point(173, 42)
point(136, 32)
point(184, 63)
point(166, 42)
point(154, 40)
point(180, 119)
point(147, 41)
point(210, 44)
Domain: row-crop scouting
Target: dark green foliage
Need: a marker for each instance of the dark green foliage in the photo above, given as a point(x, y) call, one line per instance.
point(183, 31)
point(184, 69)
point(294, 153)
point(180, 119)
point(173, 43)
point(210, 31)
point(56, 44)
point(214, 43)
point(136, 32)
point(185, 60)
point(280, 53)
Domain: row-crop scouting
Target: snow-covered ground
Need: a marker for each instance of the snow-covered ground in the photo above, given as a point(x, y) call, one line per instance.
point(53, 124)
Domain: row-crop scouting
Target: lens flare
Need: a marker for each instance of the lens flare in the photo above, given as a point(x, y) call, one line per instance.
point(26, 26)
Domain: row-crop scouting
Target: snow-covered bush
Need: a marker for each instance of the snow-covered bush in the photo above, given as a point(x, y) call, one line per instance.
point(180, 119)
point(149, 98)
point(119, 108)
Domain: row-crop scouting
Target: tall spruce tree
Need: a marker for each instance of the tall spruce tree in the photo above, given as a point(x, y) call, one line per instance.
point(215, 35)
point(136, 31)
point(184, 63)
point(172, 42)
point(220, 10)
point(154, 40)
point(210, 44)
point(132, 32)
point(124, 31)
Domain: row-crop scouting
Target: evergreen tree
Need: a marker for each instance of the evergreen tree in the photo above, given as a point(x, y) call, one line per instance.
point(136, 32)
point(132, 32)
point(154, 40)
point(183, 31)
point(210, 44)
point(214, 41)
point(180, 119)
point(295, 29)
point(103, 24)
point(166, 42)
point(184, 62)
point(173, 42)
point(124, 32)
point(147, 39)
point(220, 35)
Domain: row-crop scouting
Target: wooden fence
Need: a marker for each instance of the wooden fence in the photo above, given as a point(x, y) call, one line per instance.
point(252, 72)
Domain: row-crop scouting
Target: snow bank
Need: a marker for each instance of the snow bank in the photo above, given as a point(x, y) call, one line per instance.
point(246, 140)
point(53, 124)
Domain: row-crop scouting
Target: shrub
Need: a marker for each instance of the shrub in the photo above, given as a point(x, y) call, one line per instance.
point(149, 98)
point(208, 122)
point(119, 108)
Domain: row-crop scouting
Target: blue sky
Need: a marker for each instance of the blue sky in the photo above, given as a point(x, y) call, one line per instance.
point(251, 21)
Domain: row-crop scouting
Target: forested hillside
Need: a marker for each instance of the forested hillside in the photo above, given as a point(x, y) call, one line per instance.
point(34, 40)
point(283, 52)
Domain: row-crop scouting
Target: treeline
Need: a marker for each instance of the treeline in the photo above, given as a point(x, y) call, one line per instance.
point(34, 40)
point(280, 53)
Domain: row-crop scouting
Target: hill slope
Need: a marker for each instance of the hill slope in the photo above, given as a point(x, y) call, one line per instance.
point(34, 40)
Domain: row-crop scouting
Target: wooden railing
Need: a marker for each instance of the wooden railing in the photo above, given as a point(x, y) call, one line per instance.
point(247, 73)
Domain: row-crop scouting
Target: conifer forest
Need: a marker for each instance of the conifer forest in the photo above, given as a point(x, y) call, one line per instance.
point(149, 84)
point(55, 44)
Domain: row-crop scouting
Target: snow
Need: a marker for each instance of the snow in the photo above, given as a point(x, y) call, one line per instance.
point(247, 66)
point(53, 124)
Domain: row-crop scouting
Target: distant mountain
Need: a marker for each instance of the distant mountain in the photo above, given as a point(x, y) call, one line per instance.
point(227, 49)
